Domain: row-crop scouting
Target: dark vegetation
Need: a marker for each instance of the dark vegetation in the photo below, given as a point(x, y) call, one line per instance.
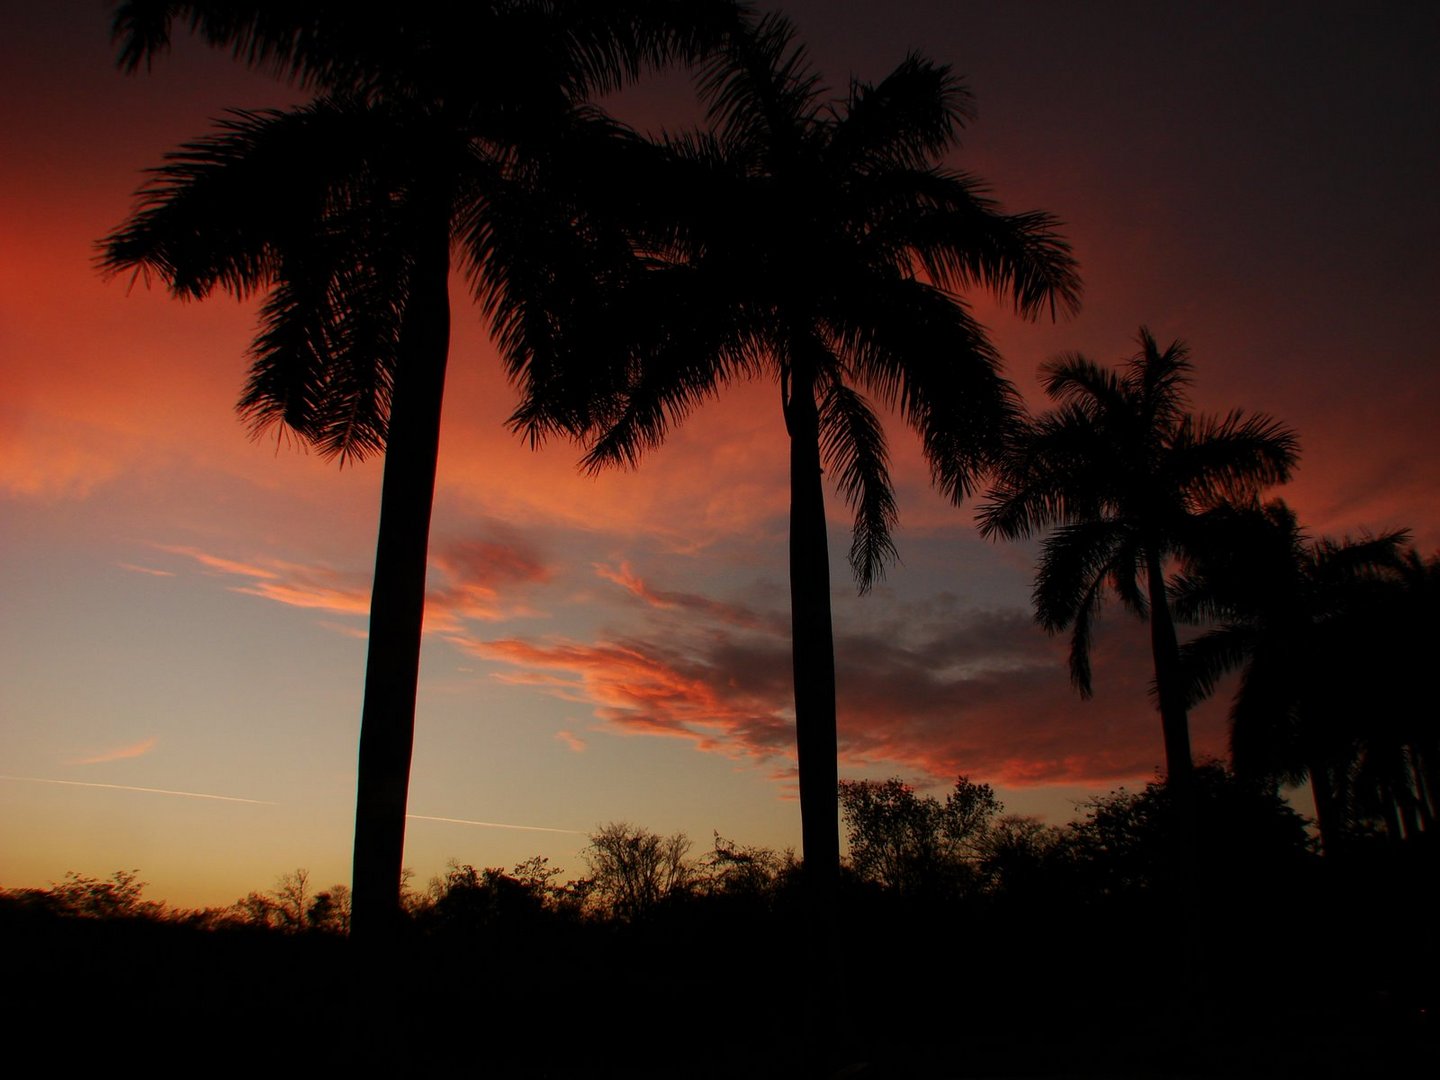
point(971, 943)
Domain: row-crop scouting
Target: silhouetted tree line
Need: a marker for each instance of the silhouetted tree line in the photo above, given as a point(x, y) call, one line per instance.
point(903, 844)
point(1043, 939)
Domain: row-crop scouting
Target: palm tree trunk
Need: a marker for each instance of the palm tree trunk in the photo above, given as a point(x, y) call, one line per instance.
point(1329, 819)
point(813, 657)
point(397, 604)
point(812, 637)
point(1179, 767)
point(1423, 803)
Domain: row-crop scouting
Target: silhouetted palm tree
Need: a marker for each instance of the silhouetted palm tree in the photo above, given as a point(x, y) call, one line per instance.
point(1118, 473)
point(346, 212)
point(1331, 651)
point(822, 245)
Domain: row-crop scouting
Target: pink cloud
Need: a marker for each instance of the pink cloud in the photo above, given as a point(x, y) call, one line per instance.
point(627, 579)
point(491, 563)
point(343, 629)
point(694, 603)
point(150, 570)
point(223, 565)
point(120, 753)
point(312, 594)
point(480, 580)
point(570, 739)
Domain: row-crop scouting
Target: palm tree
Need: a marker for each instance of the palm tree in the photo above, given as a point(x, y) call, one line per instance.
point(348, 214)
point(1118, 474)
point(820, 245)
point(1332, 639)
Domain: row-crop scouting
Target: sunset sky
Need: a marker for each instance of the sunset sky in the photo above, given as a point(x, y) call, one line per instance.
point(183, 610)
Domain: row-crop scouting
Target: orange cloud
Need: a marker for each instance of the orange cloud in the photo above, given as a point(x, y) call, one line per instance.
point(347, 631)
point(150, 570)
point(223, 565)
point(120, 753)
point(693, 603)
point(479, 576)
point(483, 575)
point(312, 594)
point(570, 739)
point(639, 689)
point(51, 469)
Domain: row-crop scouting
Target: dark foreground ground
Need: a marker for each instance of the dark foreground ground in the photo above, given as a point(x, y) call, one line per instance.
point(1270, 987)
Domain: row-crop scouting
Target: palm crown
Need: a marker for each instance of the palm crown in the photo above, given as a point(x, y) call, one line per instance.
point(822, 245)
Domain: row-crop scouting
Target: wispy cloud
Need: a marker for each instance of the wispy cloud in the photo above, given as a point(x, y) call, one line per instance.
point(219, 563)
point(311, 592)
point(494, 824)
point(54, 460)
point(341, 628)
point(134, 569)
point(570, 739)
point(691, 603)
point(120, 753)
point(145, 790)
point(479, 580)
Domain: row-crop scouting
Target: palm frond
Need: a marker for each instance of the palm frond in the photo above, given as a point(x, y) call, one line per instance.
point(921, 352)
point(1055, 469)
point(324, 362)
point(905, 121)
point(1158, 379)
point(1076, 559)
point(315, 42)
point(220, 208)
point(1266, 731)
point(1206, 659)
point(1087, 610)
point(1229, 459)
point(760, 89)
point(963, 240)
point(307, 204)
point(1338, 563)
point(852, 446)
point(1078, 382)
point(1128, 568)
point(686, 360)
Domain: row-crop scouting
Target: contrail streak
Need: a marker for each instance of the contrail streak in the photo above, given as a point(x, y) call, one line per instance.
point(492, 824)
point(149, 790)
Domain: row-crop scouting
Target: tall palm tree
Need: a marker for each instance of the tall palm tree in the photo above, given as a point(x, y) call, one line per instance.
point(1332, 640)
point(349, 212)
point(1118, 473)
point(822, 245)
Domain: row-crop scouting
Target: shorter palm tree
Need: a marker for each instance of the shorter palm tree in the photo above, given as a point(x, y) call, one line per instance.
point(1119, 473)
point(1331, 640)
